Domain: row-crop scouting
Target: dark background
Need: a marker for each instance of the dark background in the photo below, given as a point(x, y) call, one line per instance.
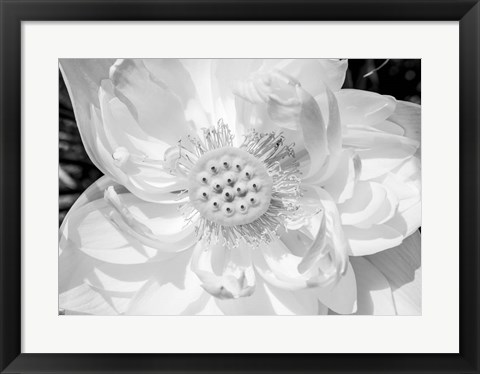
point(395, 77)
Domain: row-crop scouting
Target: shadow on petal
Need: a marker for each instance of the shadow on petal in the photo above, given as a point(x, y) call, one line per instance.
point(374, 295)
point(173, 290)
point(402, 267)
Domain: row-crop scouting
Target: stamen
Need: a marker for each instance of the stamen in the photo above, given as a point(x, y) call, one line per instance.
point(120, 156)
point(245, 192)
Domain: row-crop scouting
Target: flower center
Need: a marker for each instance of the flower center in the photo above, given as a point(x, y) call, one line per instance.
point(243, 192)
point(230, 186)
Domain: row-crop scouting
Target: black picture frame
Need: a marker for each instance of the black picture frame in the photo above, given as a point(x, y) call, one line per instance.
point(13, 12)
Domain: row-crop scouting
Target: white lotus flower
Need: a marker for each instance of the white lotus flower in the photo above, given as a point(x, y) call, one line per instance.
point(241, 187)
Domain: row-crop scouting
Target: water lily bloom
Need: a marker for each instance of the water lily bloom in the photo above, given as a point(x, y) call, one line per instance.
point(241, 187)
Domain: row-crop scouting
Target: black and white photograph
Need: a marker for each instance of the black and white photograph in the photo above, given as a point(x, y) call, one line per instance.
point(240, 187)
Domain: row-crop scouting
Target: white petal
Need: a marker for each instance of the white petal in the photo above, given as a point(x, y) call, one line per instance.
point(226, 73)
point(76, 268)
point(94, 192)
point(313, 74)
point(279, 266)
point(302, 302)
point(83, 78)
point(379, 152)
point(225, 272)
point(372, 240)
point(113, 121)
point(341, 184)
point(323, 146)
point(408, 220)
point(358, 107)
point(284, 265)
point(277, 100)
point(386, 126)
point(402, 267)
point(316, 250)
point(122, 129)
point(374, 295)
point(256, 304)
point(405, 183)
point(176, 75)
point(156, 108)
point(314, 132)
point(97, 280)
point(370, 204)
point(334, 130)
point(175, 290)
point(84, 299)
point(210, 307)
point(341, 298)
point(90, 229)
point(334, 229)
point(268, 300)
point(147, 179)
point(201, 71)
point(408, 116)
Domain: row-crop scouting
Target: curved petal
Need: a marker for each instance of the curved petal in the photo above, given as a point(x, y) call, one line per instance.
point(307, 257)
point(379, 152)
point(92, 229)
point(121, 111)
point(334, 129)
point(408, 220)
point(341, 297)
point(88, 285)
point(83, 78)
point(391, 219)
point(106, 124)
point(386, 126)
point(317, 250)
point(181, 77)
point(372, 240)
point(334, 229)
point(224, 272)
point(404, 182)
point(201, 74)
point(131, 157)
point(155, 107)
point(374, 295)
point(402, 267)
point(301, 112)
point(371, 204)
point(358, 107)
point(268, 300)
point(149, 179)
point(77, 267)
point(408, 116)
point(173, 290)
point(277, 99)
point(341, 183)
point(313, 74)
point(226, 74)
point(321, 170)
point(314, 130)
point(84, 299)
point(279, 266)
point(121, 128)
point(94, 192)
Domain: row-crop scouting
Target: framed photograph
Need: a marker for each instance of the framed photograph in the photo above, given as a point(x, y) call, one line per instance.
point(199, 186)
